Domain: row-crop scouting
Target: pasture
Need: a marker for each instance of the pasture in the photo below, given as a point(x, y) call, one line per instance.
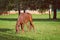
point(45, 29)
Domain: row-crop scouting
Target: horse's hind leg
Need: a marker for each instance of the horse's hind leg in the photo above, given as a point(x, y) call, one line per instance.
point(32, 26)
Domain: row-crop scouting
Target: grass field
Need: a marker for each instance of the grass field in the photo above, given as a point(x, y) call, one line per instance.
point(45, 29)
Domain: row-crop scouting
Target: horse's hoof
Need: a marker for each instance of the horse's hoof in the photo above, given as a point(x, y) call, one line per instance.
point(16, 32)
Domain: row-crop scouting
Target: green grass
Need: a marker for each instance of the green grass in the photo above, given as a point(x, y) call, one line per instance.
point(45, 29)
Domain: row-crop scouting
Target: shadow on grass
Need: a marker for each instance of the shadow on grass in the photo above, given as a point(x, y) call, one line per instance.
point(7, 36)
point(37, 19)
point(4, 36)
point(8, 19)
point(46, 20)
point(5, 29)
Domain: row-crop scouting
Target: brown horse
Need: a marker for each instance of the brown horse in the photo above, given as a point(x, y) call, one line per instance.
point(24, 18)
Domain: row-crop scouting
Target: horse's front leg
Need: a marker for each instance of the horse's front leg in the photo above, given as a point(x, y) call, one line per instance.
point(22, 27)
point(17, 27)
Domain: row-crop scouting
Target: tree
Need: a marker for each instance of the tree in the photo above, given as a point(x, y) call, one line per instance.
point(32, 4)
point(6, 5)
point(56, 6)
point(3, 5)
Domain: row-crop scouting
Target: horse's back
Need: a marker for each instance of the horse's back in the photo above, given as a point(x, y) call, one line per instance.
point(25, 17)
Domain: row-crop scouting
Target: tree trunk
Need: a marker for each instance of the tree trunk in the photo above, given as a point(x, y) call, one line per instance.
point(24, 10)
point(54, 16)
point(18, 9)
point(55, 12)
point(49, 15)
